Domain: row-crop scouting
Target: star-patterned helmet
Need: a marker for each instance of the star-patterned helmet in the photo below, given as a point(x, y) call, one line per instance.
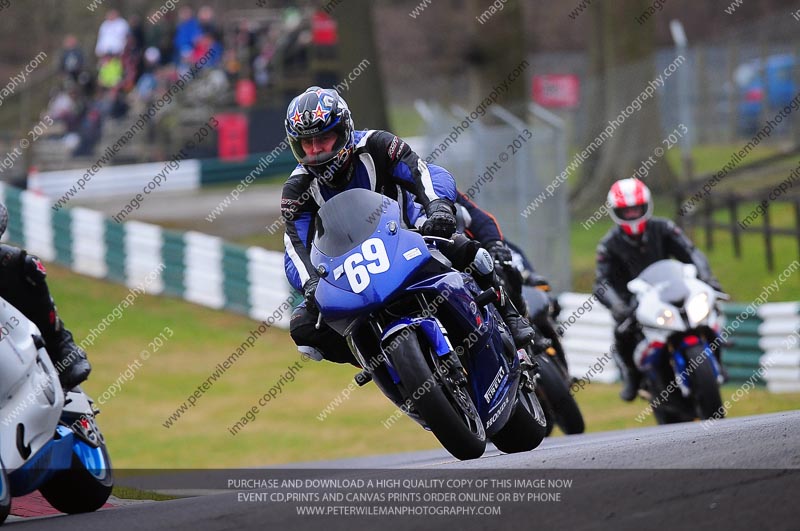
point(322, 114)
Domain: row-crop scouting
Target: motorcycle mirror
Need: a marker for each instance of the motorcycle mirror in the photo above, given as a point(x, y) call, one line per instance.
point(637, 285)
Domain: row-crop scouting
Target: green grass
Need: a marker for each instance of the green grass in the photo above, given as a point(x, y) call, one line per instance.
point(708, 158)
point(287, 429)
point(128, 493)
point(272, 242)
point(405, 121)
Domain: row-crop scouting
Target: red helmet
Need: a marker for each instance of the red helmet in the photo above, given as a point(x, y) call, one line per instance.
point(631, 205)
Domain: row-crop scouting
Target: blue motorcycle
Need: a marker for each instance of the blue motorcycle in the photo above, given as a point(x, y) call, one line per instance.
point(426, 334)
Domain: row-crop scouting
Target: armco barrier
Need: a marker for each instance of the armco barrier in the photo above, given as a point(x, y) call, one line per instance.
point(109, 181)
point(780, 340)
point(587, 338)
point(742, 354)
point(205, 270)
point(217, 171)
point(130, 179)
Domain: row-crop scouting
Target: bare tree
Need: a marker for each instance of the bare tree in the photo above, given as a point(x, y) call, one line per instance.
point(496, 48)
point(365, 94)
point(621, 55)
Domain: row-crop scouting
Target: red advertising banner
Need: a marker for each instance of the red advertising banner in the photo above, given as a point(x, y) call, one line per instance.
point(232, 136)
point(556, 90)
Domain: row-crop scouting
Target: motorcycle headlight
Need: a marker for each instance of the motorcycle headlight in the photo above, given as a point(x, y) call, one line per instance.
point(698, 308)
point(665, 318)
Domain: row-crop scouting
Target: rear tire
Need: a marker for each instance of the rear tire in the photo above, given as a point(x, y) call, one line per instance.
point(444, 417)
point(77, 490)
point(526, 428)
point(565, 410)
point(5, 495)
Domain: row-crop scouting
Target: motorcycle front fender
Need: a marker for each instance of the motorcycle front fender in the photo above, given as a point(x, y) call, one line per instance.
point(430, 327)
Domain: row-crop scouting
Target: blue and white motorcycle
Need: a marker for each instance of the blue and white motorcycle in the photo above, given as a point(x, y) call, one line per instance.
point(49, 440)
point(679, 321)
point(426, 334)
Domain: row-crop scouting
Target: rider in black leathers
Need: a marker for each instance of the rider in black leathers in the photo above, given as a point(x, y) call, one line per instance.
point(626, 250)
point(22, 284)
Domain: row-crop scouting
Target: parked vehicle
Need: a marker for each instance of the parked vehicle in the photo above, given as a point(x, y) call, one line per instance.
point(764, 86)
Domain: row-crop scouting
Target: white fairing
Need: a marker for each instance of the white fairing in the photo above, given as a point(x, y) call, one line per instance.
point(660, 319)
point(30, 393)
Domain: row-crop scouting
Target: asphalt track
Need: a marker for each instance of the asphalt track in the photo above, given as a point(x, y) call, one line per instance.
point(740, 473)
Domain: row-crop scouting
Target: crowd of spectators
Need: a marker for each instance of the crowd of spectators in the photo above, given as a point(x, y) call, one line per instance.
point(136, 58)
point(135, 61)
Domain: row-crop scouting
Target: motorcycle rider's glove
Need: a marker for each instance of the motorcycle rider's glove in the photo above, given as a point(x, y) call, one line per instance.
point(622, 311)
point(499, 251)
point(309, 290)
point(541, 343)
point(441, 220)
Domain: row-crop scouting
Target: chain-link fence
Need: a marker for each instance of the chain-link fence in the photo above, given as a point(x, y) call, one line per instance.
point(502, 166)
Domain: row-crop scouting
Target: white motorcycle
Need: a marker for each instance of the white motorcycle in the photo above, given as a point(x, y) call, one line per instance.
point(679, 321)
point(48, 439)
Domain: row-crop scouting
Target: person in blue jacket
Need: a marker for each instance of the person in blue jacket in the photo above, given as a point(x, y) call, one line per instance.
point(333, 157)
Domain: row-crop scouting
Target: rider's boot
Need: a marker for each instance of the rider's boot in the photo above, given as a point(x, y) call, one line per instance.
point(630, 375)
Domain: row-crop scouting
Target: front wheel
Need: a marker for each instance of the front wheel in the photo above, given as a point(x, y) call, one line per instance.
point(565, 410)
point(5, 495)
point(705, 389)
point(86, 485)
point(527, 426)
point(451, 416)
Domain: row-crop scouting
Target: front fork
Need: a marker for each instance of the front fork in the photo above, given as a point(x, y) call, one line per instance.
point(681, 369)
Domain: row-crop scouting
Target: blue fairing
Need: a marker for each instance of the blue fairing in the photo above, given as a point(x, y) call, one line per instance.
point(366, 261)
point(54, 456)
point(485, 361)
point(340, 305)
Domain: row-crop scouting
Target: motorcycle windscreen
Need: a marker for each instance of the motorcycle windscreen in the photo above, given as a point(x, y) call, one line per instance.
point(362, 255)
point(348, 219)
point(668, 273)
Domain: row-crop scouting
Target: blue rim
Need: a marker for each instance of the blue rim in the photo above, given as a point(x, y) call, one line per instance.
point(92, 459)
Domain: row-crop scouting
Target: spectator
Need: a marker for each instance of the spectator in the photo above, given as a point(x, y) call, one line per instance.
point(109, 73)
point(72, 59)
point(187, 32)
point(112, 35)
point(205, 17)
point(65, 107)
point(207, 46)
point(148, 82)
point(261, 64)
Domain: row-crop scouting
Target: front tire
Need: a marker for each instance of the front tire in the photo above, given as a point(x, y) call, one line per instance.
point(80, 489)
point(566, 412)
point(5, 495)
point(527, 426)
point(459, 430)
point(705, 389)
